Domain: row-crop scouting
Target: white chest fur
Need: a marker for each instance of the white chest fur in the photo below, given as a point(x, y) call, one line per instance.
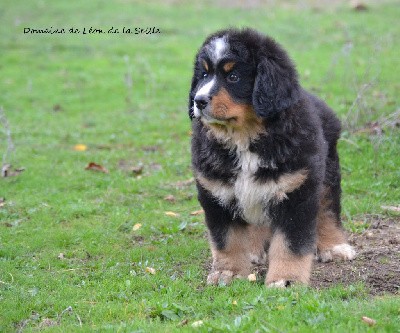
point(253, 197)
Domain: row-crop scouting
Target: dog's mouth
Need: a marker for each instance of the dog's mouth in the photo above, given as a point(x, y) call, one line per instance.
point(216, 116)
point(214, 120)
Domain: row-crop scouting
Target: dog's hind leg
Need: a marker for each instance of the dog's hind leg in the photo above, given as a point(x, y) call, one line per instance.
point(331, 239)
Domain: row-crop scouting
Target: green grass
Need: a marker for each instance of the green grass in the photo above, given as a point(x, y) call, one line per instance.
point(66, 237)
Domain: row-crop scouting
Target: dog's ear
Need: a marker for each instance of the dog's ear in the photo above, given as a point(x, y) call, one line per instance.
point(275, 88)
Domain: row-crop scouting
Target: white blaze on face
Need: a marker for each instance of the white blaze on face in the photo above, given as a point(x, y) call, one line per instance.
point(217, 49)
point(203, 91)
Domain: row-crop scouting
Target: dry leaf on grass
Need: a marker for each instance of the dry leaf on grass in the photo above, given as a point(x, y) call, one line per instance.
point(197, 212)
point(96, 167)
point(172, 214)
point(197, 323)
point(47, 322)
point(2, 202)
point(252, 277)
point(358, 5)
point(80, 147)
point(392, 208)
point(183, 183)
point(137, 226)
point(369, 321)
point(150, 270)
point(7, 172)
point(57, 108)
point(169, 198)
point(137, 170)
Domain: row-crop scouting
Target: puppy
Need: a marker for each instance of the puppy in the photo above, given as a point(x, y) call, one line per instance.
point(265, 161)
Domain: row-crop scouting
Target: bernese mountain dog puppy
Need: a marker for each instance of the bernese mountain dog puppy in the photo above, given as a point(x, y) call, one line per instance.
point(265, 162)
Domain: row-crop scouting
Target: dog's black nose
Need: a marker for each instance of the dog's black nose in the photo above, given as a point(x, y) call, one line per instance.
point(201, 102)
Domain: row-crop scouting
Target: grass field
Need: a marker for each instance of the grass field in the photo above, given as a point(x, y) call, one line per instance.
point(82, 250)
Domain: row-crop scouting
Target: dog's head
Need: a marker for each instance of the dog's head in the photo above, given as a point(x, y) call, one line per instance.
point(240, 74)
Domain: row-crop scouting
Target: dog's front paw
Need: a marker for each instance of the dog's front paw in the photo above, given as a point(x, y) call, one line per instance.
point(279, 284)
point(222, 277)
point(341, 251)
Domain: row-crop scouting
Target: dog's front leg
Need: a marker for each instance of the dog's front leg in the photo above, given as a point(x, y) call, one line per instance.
point(236, 246)
point(293, 241)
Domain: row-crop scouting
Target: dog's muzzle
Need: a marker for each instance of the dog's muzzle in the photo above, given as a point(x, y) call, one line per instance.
point(201, 102)
point(202, 109)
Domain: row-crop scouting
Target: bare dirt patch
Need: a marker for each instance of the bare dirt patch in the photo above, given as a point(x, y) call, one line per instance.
point(377, 263)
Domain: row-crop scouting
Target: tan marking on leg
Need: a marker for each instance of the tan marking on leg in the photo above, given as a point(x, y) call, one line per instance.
point(329, 234)
point(331, 238)
point(285, 266)
point(244, 249)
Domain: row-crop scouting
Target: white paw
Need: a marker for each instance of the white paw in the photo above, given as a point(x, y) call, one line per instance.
point(342, 251)
point(222, 277)
point(279, 284)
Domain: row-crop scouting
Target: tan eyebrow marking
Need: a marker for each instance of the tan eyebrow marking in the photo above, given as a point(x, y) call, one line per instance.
point(228, 66)
point(205, 65)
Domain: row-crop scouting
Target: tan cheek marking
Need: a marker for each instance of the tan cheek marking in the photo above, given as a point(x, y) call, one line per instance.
point(285, 265)
point(228, 66)
point(243, 124)
point(224, 107)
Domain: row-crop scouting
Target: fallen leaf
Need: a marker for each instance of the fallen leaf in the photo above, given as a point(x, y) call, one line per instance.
point(197, 323)
point(80, 147)
point(369, 235)
point(197, 212)
point(57, 108)
point(7, 172)
point(2, 202)
point(47, 322)
point(96, 167)
point(184, 322)
point(137, 170)
point(183, 183)
point(61, 256)
point(369, 321)
point(150, 270)
point(392, 208)
point(155, 166)
point(151, 149)
point(234, 302)
point(169, 198)
point(137, 226)
point(172, 214)
point(252, 277)
point(358, 5)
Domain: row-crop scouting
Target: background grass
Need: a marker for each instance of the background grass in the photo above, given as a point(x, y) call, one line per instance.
point(69, 257)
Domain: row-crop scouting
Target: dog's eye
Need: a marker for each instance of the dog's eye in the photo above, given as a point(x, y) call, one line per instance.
point(205, 74)
point(233, 78)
